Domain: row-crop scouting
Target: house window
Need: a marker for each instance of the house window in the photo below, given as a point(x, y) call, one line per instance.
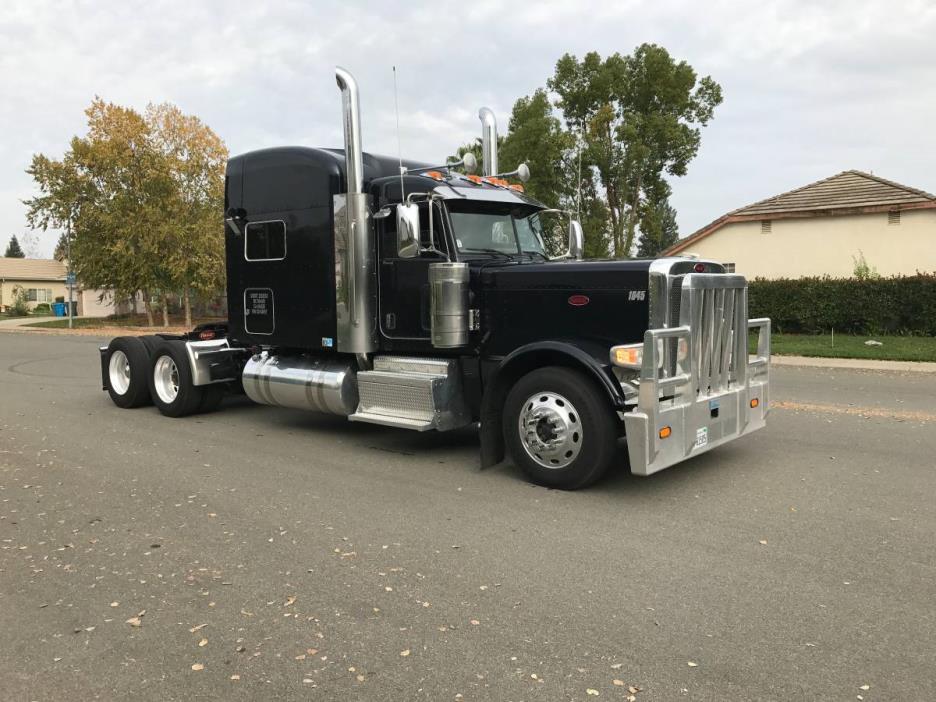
point(38, 295)
point(893, 217)
point(765, 226)
point(729, 267)
point(265, 241)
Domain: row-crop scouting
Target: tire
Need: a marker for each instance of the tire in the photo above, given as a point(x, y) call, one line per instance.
point(150, 341)
point(127, 372)
point(170, 380)
point(211, 397)
point(568, 435)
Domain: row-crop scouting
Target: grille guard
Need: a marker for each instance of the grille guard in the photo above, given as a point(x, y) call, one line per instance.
point(699, 389)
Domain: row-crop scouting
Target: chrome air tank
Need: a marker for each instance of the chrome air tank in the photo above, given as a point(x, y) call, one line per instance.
point(448, 304)
point(302, 382)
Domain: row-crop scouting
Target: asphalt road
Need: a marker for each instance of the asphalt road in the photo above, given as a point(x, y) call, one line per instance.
point(296, 556)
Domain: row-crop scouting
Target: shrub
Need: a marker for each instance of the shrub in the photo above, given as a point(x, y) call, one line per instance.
point(20, 307)
point(42, 308)
point(872, 305)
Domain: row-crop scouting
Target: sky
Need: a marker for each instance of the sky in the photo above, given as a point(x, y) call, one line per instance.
point(810, 88)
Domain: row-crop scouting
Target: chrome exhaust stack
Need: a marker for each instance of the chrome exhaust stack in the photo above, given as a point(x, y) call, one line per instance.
point(488, 141)
point(355, 271)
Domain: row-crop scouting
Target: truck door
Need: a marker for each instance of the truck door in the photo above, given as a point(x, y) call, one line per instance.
point(404, 282)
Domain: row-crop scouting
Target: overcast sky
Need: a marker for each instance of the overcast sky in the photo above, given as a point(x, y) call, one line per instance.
point(811, 88)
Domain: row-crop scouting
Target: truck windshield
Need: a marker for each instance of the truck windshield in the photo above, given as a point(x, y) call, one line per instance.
point(496, 228)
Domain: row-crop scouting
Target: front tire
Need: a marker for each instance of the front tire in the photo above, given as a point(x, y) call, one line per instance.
point(170, 381)
point(559, 429)
point(127, 366)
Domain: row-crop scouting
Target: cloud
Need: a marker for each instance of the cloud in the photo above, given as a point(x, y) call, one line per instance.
point(810, 88)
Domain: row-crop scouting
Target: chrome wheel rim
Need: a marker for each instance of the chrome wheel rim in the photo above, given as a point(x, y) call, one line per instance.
point(118, 371)
point(166, 379)
point(550, 430)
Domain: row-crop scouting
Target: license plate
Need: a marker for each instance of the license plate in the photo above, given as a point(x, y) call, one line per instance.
point(701, 437)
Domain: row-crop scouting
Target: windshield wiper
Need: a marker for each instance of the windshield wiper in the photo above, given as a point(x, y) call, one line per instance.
point(538, 253)
point(492, 251)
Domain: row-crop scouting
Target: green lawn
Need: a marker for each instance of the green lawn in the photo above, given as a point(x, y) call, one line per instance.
point(895, 348)
point(130, 320)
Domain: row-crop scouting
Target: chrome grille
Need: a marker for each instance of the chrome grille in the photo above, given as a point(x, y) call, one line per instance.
point(714, 306)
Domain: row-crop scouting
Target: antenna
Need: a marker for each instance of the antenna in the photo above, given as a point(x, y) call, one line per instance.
point(578, 195)
point(396, 106)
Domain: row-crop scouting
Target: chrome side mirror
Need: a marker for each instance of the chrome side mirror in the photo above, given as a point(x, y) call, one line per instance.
point(576, 240)
point(407, 230)
point(523, 172)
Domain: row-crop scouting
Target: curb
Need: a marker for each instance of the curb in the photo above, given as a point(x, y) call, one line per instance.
point(854, 364)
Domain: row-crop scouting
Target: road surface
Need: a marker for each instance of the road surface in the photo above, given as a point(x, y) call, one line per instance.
point(258, 553)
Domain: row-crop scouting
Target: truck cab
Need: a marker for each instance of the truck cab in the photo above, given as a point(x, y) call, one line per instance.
point(430, 298)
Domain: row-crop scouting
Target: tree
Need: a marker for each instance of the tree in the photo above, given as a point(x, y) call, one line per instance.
point(61, 248)
point(658, 229)
point(640, 116)
point(141, 200)
point(13, 249)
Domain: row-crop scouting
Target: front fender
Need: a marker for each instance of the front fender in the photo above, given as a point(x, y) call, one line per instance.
point(501, 374)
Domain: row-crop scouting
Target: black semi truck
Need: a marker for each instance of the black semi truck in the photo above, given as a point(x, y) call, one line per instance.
point(423, 298)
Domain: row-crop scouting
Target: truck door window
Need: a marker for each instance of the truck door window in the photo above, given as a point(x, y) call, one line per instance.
point(265, 241)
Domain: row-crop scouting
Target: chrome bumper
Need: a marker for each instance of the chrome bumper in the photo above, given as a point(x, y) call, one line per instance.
point(708, 398)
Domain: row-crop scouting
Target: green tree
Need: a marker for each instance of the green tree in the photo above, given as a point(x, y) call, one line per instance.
point(13, 249)
point(658, 229)
point(135, 193)
point(61, 248)
point(641, 117)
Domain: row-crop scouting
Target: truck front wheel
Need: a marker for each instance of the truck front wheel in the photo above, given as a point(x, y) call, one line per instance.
point(558, 428)
point(170, 381)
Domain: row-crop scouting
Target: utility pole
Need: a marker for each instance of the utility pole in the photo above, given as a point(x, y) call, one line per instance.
point(69, 278)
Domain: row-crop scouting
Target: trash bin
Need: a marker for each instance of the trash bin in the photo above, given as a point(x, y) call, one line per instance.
point(58, 309)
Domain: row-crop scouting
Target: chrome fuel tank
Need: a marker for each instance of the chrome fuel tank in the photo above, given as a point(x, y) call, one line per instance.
point(302, 382)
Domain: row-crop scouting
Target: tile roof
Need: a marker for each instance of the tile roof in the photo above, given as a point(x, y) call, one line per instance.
point(846, 189)
point(848, 192)
point(31, 269)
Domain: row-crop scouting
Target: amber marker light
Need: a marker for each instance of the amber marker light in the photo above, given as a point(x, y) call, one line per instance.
point(517, 187)
point(665, 432)
point(755, 402)
point(435, 175)
point(628, 356)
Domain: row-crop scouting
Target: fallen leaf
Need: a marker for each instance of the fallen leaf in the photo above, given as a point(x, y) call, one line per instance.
point(135, 621)
point(619, 683)
point(615, 666)
point(115, 604)
point(311, 651)
point(633, 690)
point(197, 628)
point(592, 691)
point(290, 600)
point(388, 588)
point(405, 653)
point(763, 542)
point(301, 657)
point(56, 660)
point(865, 687)
point(203, 643)
point(235, 677)
point(475, 622)
point(198, 666)
point(533, 675)
point(631, 698)
point(693, 665)
point(360, 678)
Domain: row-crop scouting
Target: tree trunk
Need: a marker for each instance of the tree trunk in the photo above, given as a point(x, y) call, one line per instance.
point(187, 299)
point(165, 310)
point(632, 219)
point(148, 307)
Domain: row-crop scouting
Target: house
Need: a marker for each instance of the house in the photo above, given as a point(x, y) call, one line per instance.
point(824, 228)
point(43, 280)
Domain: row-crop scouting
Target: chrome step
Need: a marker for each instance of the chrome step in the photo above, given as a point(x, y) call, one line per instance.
point(412, 393)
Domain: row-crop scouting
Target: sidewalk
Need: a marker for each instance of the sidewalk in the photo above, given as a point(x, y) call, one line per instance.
point(854, 363)
point(23, 321)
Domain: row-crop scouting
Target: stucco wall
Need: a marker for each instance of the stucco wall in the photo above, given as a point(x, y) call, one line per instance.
point(7, 287)
point(825, 245)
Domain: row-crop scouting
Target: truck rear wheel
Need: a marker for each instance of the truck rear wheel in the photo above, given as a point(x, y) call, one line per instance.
point(127, 366)
point(558, 428)
point(170, 380)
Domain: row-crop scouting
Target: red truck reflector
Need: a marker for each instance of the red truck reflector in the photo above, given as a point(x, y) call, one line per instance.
point(579, 300)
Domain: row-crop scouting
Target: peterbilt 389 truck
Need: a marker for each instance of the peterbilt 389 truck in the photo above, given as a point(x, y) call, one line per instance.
point(423, 298)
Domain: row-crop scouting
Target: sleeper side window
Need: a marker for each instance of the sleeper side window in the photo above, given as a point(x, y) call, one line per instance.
point(265, 241)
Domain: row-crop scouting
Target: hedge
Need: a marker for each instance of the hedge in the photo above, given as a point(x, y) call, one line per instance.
point(895, 305)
